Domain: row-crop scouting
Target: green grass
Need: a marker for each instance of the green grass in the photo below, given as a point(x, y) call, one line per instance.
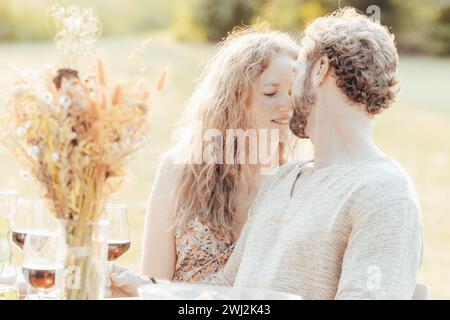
point(415, 132)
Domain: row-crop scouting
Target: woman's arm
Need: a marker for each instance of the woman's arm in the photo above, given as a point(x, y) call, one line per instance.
point(158, 256)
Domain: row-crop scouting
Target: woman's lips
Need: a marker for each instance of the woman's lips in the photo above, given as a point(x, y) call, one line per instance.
point(281, 120)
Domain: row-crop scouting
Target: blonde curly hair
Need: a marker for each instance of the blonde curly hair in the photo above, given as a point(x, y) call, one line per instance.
point(207, 191)
point(362, 53)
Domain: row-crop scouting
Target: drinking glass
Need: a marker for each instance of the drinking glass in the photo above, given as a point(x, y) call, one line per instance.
point(9, 288)
point(43, 261)
point(8, 198)
point(118, 231)
point(30, 216)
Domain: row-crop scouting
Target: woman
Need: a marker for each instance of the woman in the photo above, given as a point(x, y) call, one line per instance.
point(200, 199)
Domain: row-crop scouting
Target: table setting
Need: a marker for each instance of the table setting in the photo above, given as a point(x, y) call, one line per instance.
point(38, 270)
point(33, 257)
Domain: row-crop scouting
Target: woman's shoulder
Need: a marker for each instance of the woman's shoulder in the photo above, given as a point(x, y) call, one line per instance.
point(169, 158)
point(167, 174)
point(170, 163)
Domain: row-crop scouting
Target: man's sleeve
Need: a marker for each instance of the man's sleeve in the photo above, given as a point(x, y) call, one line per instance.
point(384, 252)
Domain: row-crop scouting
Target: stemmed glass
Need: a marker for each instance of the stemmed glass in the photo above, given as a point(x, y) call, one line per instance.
point(9, 288)
point(29, 217)
point(43, 260)
point(33, 221)
point(118, 231)
point(8, 198)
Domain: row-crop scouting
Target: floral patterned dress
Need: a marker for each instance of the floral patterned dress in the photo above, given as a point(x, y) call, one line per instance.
point(201, 253)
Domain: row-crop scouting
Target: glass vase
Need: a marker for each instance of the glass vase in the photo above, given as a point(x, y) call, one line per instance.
point(86, 259)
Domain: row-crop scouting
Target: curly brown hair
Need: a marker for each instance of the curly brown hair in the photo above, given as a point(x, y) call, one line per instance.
point(362, 53)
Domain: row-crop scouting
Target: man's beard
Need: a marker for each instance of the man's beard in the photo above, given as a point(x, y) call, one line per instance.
point(302, 104)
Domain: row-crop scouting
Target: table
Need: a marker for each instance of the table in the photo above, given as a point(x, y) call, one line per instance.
point(183, 291)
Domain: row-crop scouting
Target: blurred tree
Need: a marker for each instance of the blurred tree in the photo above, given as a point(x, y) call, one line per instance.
point(28, 19)
point(295, 14)
point(392, 13)
point(22, 20)
point(5, 29)
point(185, 24)
point(290, 14)
point(441, 31)
point(400, 16)
point(419, 26)
point(217, 17)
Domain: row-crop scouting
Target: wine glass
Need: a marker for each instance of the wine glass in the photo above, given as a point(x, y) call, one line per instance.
point(8, 199)
point(30, 216)
point(118, 231)
point(43, 260)
point(9, 288)
point(9, 285)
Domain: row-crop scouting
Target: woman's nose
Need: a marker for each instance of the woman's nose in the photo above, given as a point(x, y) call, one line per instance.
point(286, 110)
point(286, 104)
point(285, 107)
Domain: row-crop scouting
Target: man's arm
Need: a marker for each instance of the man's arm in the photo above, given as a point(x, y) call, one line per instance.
point(384, 252)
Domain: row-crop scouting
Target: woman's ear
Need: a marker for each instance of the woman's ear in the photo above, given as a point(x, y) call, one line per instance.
point(320, 71)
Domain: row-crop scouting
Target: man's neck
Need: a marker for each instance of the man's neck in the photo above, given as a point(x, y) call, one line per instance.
point(343, 137)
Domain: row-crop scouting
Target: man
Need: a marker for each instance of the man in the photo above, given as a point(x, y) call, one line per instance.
point(346, 225)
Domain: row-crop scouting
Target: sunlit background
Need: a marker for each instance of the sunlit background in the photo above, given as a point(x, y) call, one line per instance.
point(415, 131)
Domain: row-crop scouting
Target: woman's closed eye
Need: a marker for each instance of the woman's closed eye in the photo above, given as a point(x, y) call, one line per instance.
point(270, 94)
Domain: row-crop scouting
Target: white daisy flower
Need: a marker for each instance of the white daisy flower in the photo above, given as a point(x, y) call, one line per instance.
point(20, 131)
point(47, 97)
point(34, 150)
point(65, 101)
point(23, 174)
point(55, 156)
